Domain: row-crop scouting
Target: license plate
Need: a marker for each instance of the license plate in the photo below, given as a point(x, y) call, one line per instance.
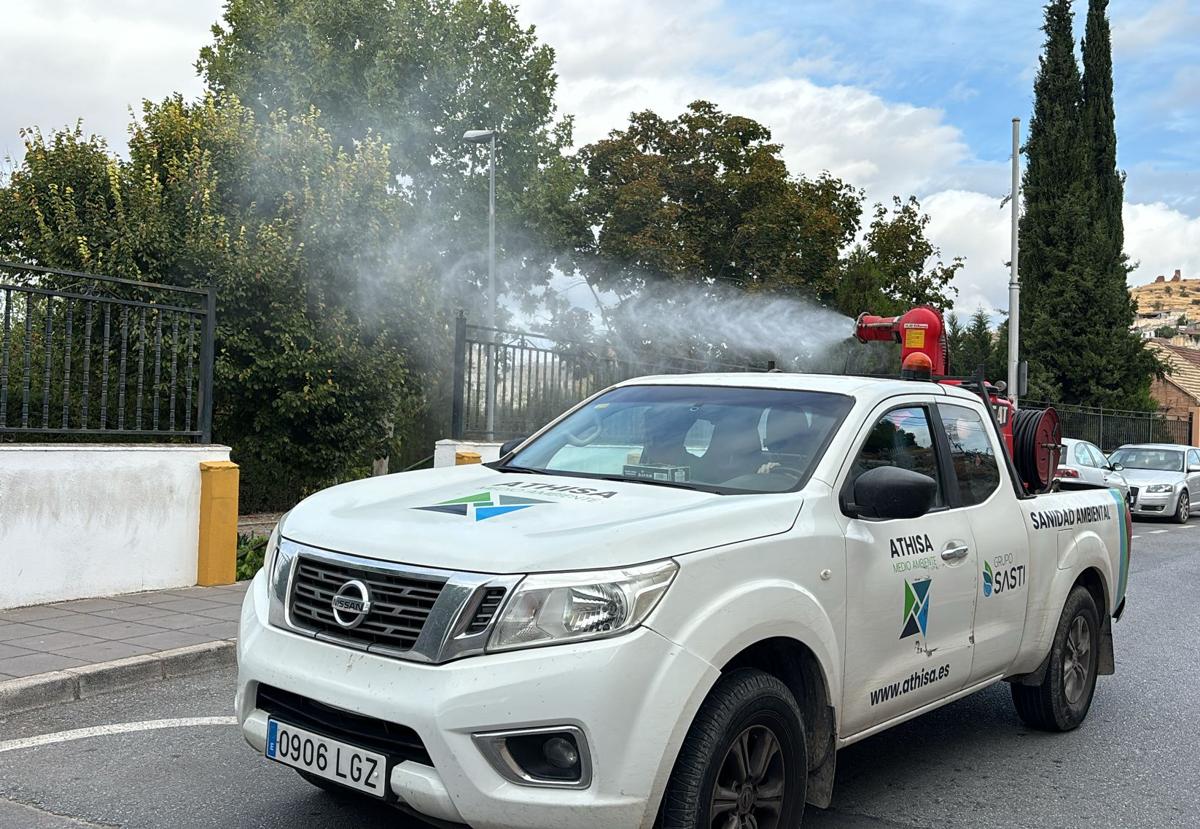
point(334, 760)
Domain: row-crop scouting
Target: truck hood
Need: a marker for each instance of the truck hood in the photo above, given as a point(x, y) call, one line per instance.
point(476, 519)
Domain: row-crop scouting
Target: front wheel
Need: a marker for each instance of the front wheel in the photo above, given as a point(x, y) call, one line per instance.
point(744, 763)
point(1062, 700)
point(1183, 510)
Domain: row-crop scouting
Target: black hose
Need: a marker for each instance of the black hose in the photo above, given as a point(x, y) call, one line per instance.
point(1026, 450)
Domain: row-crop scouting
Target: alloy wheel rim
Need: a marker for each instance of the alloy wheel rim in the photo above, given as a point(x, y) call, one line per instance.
point(750, 784)
point(1185, 508)
point(1077, 661)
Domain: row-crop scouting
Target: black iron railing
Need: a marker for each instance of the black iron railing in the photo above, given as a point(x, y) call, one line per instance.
point(1110, 428)
point(89, 355)
point(538, 377)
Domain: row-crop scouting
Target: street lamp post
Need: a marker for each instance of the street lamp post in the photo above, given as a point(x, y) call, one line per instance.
point(489, 137)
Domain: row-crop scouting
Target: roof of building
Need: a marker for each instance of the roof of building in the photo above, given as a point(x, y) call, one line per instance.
point(1184, 364)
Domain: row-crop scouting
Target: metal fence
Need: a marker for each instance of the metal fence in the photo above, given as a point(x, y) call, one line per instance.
point(89, 355)
point(1110, 428)
point(539, 377)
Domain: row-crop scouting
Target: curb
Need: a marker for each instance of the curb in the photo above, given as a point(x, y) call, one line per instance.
point(57, 687)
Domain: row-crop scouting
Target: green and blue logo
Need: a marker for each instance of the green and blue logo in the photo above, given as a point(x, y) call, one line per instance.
point(987, 579)
point(916, 608)
point(483, 505)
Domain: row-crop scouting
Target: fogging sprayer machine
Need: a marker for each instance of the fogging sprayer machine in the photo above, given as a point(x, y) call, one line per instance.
point(1032, 437)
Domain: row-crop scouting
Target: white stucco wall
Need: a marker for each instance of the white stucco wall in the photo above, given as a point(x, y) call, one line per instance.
point(84, 520)
point(445, 450)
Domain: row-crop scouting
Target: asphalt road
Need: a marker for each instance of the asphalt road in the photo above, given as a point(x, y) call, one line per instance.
point(1134, 763)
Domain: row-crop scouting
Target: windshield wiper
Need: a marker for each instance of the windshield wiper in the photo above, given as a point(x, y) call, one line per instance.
point(529, 469)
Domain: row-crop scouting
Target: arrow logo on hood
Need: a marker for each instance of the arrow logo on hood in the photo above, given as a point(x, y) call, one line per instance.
point(483, 505)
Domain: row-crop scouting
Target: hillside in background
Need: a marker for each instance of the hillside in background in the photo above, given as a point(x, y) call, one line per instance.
point(1169, 297)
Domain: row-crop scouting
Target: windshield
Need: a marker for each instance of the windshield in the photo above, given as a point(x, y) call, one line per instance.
point(700, 437)
point(1162, 460)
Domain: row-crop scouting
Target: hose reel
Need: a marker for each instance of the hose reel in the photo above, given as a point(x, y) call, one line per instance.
point(1037, 444)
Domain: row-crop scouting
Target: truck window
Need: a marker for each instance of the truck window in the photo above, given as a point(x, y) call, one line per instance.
point(971, 453)
point(902, 438)
point(713, 438)
point(1082, 456)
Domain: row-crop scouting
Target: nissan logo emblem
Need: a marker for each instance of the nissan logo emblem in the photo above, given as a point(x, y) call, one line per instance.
point(351, 604)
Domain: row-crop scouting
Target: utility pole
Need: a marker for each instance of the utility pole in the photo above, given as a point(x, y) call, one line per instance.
point(491, 366)
point(1014, 283)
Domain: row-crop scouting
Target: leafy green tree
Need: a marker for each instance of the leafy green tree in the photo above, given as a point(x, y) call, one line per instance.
point(890, 271)
point(706, 199)
point(954, 341)
point(305, 375)
point(418, 73)
point(978, 344)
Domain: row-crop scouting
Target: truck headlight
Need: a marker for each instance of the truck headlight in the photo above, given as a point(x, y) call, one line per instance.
point(553, 608)
point(1160, 487)
point(271, 554)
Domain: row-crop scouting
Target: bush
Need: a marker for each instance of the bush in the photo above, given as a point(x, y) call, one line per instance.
point(251, 549)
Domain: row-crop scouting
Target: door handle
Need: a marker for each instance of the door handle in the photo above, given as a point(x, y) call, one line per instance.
point(955, 553)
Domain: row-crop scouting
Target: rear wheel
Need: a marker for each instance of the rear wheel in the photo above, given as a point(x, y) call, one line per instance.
point(1062, 701)
point(1183, 510)
point(744, 763)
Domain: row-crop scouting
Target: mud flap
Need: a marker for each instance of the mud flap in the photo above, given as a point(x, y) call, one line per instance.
point(1106, 662)
point(820, 776)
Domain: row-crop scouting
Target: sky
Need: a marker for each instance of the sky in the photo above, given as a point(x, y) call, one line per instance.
point(897, 98)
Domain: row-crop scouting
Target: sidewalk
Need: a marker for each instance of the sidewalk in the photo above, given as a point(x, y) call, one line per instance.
point(133, 635)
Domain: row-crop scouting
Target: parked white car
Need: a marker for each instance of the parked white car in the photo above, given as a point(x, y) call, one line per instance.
point(672, 606)
point(1164, 478)
point(1083, 461)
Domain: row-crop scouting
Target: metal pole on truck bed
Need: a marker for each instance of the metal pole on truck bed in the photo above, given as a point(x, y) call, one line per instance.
point(1014, 284)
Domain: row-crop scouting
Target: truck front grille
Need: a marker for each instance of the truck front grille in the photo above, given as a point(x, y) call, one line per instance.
point(400, 603)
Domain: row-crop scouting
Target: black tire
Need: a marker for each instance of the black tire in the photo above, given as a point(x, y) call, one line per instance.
point(735, 720)
point(1062, 701)
point(1183, 509)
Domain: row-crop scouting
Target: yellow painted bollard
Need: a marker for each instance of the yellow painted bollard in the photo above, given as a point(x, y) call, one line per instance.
point(217, 560)
point(461, 458)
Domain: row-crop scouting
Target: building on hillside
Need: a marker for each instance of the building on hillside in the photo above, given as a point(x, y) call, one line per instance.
point(1178, 393)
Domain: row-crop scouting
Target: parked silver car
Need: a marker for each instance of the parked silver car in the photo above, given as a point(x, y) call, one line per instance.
point(1083, 461)
point(1164, 478)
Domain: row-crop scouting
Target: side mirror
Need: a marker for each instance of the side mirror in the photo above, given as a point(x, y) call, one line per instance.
point(1115, 467)
point(892, 492)
point(508, 446)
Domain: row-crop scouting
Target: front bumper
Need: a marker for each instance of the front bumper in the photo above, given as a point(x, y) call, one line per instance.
point(1154, 503)
point(633, 696)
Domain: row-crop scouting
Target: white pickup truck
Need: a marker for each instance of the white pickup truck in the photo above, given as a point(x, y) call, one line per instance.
point(673, 605)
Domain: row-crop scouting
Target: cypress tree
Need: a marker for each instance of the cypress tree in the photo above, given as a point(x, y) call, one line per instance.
point(1130, 366)
point(1100, 124)
point(1054, 226)
point(1075, 310)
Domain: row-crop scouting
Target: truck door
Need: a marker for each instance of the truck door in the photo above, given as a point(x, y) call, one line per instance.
point(911, 583)
point(984, 496)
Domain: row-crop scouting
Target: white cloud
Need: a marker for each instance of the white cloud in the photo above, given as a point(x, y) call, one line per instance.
point(67, 59)
point(973, 225)
point(1159, 239)
point(622, 56)
point(1162, 22)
